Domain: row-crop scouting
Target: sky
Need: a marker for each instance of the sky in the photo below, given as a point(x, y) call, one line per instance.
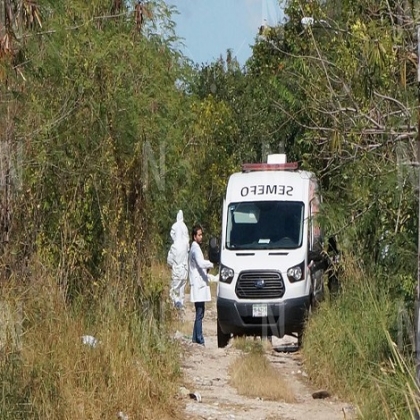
point(210, 27)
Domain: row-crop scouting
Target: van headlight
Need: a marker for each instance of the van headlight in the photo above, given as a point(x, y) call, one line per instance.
point(296, 272)
point(226, 274)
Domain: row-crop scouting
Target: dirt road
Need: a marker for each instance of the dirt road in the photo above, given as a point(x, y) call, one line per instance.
point(206, 374)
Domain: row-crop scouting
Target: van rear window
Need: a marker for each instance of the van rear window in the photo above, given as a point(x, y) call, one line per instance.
point(265, 225)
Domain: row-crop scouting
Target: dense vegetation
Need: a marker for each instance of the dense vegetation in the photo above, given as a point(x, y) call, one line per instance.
point(107, 130)
point(349, 101)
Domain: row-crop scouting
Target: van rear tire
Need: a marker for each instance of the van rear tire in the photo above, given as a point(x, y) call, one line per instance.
point(222, 338)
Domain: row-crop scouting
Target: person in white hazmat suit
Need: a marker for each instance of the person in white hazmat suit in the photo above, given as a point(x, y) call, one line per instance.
point(178, 260)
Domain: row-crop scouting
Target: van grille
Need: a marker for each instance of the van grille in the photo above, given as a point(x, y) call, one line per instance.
point(259, 285)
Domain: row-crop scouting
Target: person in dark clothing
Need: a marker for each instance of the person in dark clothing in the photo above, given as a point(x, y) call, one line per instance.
point(328, 261)
point(333, 269)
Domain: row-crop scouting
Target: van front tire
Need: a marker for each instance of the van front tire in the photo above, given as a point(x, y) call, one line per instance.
point(222, 338)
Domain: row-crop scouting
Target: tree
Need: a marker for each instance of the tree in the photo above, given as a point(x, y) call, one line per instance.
point(17, 20)
point(100, 99)
point(353, 76)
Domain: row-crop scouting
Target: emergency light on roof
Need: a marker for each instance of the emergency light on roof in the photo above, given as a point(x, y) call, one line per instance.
point(251, 167)
point(277, 158)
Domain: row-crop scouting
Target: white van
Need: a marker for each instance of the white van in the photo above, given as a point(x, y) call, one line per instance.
point(270, 237)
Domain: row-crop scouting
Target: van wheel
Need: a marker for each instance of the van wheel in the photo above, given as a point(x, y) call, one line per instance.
point(222, 338)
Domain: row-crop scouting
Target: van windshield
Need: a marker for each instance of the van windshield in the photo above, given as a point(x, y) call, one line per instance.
point(265, 225)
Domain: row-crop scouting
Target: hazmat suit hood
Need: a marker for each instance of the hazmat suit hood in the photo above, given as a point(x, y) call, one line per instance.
point(179, 231)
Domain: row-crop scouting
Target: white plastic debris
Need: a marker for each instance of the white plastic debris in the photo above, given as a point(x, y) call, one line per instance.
point(307, 21)
point(178, 335)
point(122, 416)
point(196, 396)
point(89, 340)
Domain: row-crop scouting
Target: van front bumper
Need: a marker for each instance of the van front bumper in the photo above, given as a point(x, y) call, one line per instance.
point(286, 317)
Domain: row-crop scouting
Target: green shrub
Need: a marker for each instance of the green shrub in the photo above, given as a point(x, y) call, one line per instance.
point(348, 348)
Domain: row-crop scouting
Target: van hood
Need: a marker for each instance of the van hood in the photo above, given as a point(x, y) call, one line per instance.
point(267, 259)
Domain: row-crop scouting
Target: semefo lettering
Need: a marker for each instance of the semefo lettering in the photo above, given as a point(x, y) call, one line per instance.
point(267, 190)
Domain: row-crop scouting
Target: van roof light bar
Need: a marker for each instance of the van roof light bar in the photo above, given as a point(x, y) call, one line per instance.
point(251, 167)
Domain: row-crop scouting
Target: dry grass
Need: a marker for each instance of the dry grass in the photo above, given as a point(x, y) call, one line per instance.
point(184, 327)
point(348, 349)
point(251, 344)
point(52, 374)
point(213, 288)
point(253, 376)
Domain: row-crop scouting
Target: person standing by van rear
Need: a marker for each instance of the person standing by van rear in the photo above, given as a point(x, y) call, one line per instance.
point(178, 260)
point(200, 289)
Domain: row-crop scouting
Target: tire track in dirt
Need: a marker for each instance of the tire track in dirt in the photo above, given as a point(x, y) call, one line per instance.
point(205, 372)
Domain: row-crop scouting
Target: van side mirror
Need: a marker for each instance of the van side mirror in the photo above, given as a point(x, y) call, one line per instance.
point(214, 250)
